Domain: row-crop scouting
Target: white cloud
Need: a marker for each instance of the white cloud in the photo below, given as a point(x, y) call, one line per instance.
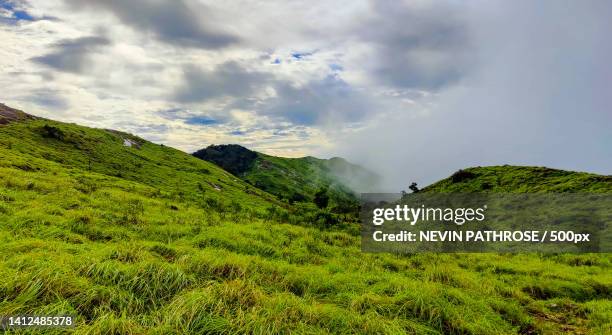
point(315, 77)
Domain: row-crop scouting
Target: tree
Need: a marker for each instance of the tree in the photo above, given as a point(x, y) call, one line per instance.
point(321, 198)
point(413, 187)
point(52, 132)
point(297, 197)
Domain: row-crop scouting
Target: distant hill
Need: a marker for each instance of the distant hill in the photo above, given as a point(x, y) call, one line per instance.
point(294, 179)
point(233, 158)
point(521, 179)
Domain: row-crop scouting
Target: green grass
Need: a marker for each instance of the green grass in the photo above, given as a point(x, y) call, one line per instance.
point(168, 170)
point(142, 243)
point(521, 179)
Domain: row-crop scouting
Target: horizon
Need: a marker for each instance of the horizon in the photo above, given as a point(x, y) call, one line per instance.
point(376, 190)
point(411, 90)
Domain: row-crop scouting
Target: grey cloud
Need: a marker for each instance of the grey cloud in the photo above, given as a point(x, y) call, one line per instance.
point(150, 128)
point(72, 55)
point(173, 22)
point(418, 47)
point(540, 96)
point(49, 99)
point(229, 79)
point(317, 102)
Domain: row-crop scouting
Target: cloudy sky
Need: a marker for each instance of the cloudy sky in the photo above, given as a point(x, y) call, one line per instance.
point(412, 89)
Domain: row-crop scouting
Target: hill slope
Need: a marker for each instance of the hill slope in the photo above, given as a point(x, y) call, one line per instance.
point(521, 179)
point(294, 179)
point(139, 249)
point(32, 140)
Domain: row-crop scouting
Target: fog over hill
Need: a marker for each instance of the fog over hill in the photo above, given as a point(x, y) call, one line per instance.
point(536, 92)
point(410, 89)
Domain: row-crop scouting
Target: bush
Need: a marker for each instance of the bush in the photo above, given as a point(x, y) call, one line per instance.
point(321, 198)
point(462, 175)
point(215, 204)
point(52, 132)
point(325, 220)
point(297, 197)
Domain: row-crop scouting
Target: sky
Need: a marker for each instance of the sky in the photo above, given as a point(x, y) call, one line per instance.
point(413, 90)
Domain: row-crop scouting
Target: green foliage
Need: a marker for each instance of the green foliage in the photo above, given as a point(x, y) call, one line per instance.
point(161, 250)
point(321, 199)
point(414, 188)
point(52, 132)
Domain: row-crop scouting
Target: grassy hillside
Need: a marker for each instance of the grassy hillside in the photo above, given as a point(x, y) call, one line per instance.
point(521, 179)
point(129, 244)
point(293, 179)
point(32, 143)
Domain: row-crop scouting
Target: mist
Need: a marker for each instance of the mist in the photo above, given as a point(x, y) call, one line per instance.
point(537, 93)
point(413, 90)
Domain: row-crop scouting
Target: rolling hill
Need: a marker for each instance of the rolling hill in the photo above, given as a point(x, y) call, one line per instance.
point(34, 143)
point(294, 179)
point(521, 179)
point(131, 237)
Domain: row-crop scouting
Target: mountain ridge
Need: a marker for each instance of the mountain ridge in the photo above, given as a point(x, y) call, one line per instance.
point(292, 179)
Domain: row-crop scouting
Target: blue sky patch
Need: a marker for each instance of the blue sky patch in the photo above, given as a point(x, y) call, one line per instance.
point(300, 55)
point(201, 120)
point(336, 67)
point(18, 14)
point(22, 15)
point(6, 5)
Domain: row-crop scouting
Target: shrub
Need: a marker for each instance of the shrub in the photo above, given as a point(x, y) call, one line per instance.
point(462, 175)
point(325, 219)
point(321, 198)
point(52, 132)
point(297, 197)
